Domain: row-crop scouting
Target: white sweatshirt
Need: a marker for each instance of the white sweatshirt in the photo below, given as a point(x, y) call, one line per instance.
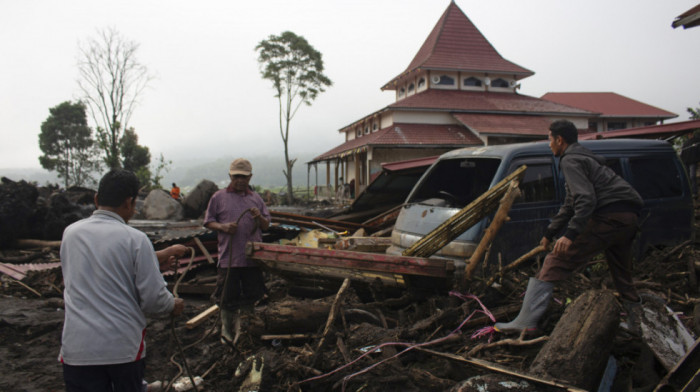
point(112, 281)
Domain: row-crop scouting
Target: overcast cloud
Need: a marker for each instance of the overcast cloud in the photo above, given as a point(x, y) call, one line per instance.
point(208, 100)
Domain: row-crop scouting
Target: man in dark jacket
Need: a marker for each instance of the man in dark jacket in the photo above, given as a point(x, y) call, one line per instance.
point(599, 213)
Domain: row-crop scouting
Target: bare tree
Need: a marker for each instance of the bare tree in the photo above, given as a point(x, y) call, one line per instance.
point(295, 69)
point(111, 79)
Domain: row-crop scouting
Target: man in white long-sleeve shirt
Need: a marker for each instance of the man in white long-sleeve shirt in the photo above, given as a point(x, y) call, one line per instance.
point(112, 280)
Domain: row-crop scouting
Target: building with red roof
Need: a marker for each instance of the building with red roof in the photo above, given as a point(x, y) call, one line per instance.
point(614, 111)
point(458, 91)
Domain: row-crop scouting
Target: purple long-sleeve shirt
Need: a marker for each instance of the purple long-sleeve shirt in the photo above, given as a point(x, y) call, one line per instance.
point(227, 206)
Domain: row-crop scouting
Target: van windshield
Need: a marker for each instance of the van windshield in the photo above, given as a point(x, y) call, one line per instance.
point(456, 182)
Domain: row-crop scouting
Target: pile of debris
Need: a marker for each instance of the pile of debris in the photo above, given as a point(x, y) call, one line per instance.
point(360, 327)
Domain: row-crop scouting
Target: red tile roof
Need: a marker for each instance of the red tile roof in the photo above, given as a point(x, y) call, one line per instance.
point(456, 44)
point(654, 131)
point(609, 104)
point(407, 135)
point(480, 101)
point(495, 124)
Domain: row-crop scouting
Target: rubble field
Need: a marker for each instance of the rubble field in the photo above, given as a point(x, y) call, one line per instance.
point(412, 342)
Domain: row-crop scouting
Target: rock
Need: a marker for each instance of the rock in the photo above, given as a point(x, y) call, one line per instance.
point(195, 203)
point(160, 206)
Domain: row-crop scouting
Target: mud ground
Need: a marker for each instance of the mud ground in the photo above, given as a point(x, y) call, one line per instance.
point(31, 319)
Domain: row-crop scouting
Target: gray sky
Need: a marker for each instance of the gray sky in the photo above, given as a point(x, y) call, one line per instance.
point(209, 101)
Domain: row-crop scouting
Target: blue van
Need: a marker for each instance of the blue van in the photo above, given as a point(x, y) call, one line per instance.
point(460, 176)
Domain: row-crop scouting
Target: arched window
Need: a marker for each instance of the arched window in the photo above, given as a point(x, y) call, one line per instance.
point(367, 130)
point(374, 126)
point(359, 132)
point(402, 91)
point(500, 82)
point(446, 81)
point(472, 82)
point(411, 87)
point(421, 83)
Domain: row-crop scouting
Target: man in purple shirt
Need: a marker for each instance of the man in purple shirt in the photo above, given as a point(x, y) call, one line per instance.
point(238, 215)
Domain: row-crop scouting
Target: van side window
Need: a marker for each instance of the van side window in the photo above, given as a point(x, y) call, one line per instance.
point(655, 177)
point(538, 184)
point(615, 164)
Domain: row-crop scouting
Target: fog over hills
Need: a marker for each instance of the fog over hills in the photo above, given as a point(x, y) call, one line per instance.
point(267, 172)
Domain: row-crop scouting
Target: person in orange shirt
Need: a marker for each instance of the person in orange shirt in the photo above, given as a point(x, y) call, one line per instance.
point(175, 192)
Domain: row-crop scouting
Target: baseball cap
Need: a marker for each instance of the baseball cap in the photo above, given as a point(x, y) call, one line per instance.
point(240, 166)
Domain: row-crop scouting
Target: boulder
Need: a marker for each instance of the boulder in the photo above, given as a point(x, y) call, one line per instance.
point(160, 206)
point(196, 201)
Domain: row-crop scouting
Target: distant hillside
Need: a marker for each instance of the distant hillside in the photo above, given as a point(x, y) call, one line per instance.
point(267, 172)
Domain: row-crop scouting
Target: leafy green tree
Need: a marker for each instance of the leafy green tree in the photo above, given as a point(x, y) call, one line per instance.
point(295, 69)
point(111, 79)
point(134, 156)
point(694, 113)
point(68, 146)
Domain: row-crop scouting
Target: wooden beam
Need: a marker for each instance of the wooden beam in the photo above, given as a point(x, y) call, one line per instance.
point(198, 319)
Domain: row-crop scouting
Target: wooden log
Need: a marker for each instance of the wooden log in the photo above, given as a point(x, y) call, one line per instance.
point(31, 243)
point(198, 319)
point(293, 317)
point(499, 219)
point(578, 349)
point(364, 244)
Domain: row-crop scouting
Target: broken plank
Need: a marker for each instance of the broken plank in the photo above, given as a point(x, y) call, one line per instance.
point(198, 319)
point(364, 244)
point(353, 264)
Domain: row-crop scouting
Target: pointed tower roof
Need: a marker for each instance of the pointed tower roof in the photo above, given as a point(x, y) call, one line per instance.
point(456, 44)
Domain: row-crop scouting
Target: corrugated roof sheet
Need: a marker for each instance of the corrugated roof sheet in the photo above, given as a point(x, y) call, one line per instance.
point(456, 44)
point(19, 271)
point(402, 134)
point(608, 104)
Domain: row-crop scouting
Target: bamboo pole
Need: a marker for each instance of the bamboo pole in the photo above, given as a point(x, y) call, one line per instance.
point(464, 219)
point(501, 217)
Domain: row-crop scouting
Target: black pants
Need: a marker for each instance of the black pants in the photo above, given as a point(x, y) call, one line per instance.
point(245, 285)
point(612, 233)
point(124, 377)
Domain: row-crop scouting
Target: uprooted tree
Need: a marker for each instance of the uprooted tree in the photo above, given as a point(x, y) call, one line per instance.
point(295, 69)
point(111, 80)
point(67, 145)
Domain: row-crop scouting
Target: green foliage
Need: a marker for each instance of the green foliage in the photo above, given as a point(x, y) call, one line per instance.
point(694, 113)
point(134, 156)
point(295, 69)
point(67, 144)
point(162, 167)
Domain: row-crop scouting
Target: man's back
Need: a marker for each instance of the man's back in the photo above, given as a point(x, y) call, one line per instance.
point(111, 279)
